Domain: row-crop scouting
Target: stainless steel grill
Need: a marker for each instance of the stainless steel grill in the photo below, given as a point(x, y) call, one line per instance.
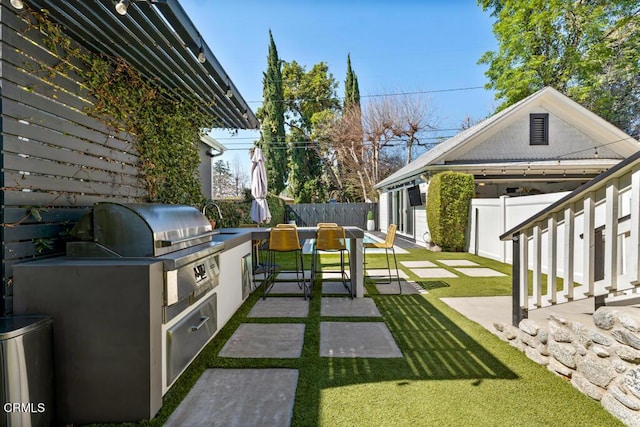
point(178, 235)
point(142, 279)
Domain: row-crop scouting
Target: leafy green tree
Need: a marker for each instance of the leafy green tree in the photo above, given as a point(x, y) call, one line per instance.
point(308, 95)
point(271, 115)
point(588, 50)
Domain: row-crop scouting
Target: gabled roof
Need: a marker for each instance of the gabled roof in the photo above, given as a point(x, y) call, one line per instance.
point(552, 100)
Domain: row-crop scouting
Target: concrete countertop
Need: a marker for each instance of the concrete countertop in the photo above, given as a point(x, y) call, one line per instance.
point(233, 237)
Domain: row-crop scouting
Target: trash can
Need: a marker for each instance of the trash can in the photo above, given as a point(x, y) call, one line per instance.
point(26, 371)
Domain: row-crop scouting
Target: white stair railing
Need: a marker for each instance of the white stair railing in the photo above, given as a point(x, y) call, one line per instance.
point(587, 243)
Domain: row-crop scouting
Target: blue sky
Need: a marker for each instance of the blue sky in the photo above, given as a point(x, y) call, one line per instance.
point(395, 46)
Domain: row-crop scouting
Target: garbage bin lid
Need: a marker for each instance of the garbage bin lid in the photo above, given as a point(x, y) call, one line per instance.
point(11, 327)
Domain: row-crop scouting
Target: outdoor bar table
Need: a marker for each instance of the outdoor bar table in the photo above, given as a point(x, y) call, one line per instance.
point(355, 236)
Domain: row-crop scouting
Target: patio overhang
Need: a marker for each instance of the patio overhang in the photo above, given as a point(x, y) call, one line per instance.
point(162, 43)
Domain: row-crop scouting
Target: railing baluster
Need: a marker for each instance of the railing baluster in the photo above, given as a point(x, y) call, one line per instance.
point(524, 270)
point(634, 263)
point(589, 241)
point(552, 259)
point(537, 265)
point(611, 236)
point(569, 246)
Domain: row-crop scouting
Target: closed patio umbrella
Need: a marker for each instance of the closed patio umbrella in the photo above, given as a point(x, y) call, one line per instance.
point(259, 207)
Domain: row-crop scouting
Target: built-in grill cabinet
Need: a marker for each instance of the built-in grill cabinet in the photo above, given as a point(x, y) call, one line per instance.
point(132, 303)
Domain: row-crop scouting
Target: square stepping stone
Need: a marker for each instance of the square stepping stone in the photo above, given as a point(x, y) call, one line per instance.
point(333, 275)
point(286, 288)
point(336, 288)
point(357, 339)
point(288, 275)
point(280, 307)
point(239, 397)
point(417, 264)
point(384, 273)
point(347, 307)
point(457, 262)
point(270, 340)
point(432, 272)
point(408, 288)
point(480, 272)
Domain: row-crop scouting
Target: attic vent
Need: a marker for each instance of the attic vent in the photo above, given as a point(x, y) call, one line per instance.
point(539, 129)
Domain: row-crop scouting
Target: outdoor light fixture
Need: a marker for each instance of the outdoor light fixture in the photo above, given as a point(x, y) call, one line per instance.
point(201, 56)
point(18, 4)
point(245, 114)
point(121, 6)
point(229, 93)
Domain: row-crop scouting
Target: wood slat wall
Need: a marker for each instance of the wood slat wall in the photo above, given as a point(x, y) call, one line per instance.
point(352, 214)
point(55, 158)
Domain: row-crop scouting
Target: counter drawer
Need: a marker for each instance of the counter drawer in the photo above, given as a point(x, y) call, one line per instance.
point(186, 338)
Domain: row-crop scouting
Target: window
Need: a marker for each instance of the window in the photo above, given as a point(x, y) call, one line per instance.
point(539, 129)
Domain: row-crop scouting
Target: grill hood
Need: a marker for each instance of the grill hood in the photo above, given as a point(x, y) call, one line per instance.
point(146, 229)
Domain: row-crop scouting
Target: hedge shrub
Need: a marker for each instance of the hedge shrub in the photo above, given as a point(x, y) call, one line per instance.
point(448, 200)
point(236, 212)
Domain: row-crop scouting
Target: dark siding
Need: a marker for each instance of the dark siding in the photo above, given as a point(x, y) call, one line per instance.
point(55, 157)
point(353, 214)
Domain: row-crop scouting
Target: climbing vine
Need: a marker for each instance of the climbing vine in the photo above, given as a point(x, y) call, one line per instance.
point(165, 125)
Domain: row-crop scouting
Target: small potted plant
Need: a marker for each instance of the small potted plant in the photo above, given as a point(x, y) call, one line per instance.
point(371, 222)
point(292, 217)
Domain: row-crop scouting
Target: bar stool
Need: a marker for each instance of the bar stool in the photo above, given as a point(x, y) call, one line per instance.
point(285, 239)
point(332, 238)
point(386, 245)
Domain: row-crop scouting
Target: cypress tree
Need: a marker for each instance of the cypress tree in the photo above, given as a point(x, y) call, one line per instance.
point(272, 139)
point(351, 89)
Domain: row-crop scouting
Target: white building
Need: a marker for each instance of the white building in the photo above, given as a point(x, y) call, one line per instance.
point(545, 143)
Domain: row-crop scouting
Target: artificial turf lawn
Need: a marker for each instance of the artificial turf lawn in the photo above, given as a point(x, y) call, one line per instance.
point(453, 373)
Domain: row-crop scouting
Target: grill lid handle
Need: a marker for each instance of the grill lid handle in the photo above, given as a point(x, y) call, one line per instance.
point(166, 243)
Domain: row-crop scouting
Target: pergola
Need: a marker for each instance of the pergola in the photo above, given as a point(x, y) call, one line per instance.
point(160, 41)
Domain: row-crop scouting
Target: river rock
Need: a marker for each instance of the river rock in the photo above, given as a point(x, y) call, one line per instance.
point(628, 400)
point(529, 326)
point(625, 337)
point(605, 318)
point(563, 353)
point(597, 371)
point(586, 386)
point(620, 411)
point(560, 333)
point(628, 354)
point(632, 381)
point(599, 338)
point(628, 323)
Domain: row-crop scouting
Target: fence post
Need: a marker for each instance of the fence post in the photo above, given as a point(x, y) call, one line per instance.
point(517, 313)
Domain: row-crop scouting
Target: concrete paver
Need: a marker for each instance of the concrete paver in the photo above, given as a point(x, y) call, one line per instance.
point(239, 397)
point(480, 272)
point(408, 288)
point(418, 264)
point(286, 288)
point(347, 307)
point(357, 339)
point(280, 307)
point(384, 273)
point(335, 288)
point(427, 273)
point(458, 262)
point(268, 340)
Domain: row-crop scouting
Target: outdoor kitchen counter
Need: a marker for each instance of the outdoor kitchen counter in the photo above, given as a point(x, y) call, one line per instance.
point(233, 237)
